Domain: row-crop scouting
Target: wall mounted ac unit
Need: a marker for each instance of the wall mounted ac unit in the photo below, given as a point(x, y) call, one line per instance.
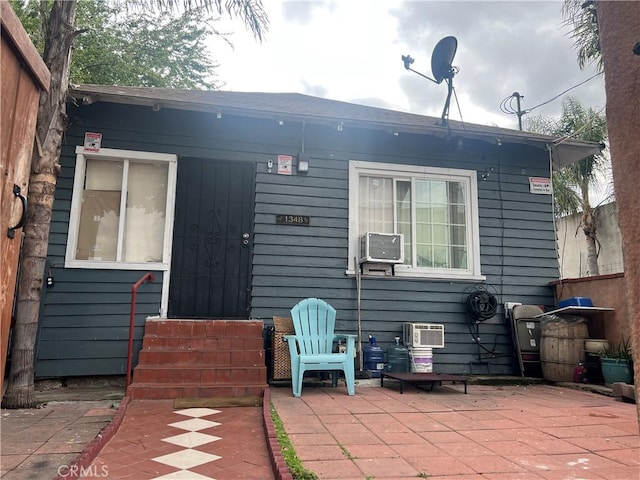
point(382, 248)
point(423, 335)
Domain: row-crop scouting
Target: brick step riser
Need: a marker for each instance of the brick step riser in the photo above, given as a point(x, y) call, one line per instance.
point(232, 358)
point(204, 328)
point(209, 375)
point(150, 342)
point(166, 392)
point(200, 358)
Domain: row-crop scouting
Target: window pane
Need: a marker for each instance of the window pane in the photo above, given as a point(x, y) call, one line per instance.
point(439, 213)
point(100, 211)
point(424, 256)
point(440, 257)
point(438, 192)
point(376, 205)
point(403, 217)
point(145, 214)
point(456, 193)
point(424, 233)
point(423, 214)
point(458, 257)
point(440, 224)
point(440, 235)
point(458, 236)
point(458, 214)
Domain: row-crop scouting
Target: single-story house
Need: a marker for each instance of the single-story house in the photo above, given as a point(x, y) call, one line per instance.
point(242, 204)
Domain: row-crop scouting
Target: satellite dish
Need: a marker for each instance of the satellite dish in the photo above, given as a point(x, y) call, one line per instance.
point(441, 67)
point(442, 57)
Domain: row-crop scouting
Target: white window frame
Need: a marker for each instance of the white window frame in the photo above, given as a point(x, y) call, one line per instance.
point(76, 204)
point(467, 177)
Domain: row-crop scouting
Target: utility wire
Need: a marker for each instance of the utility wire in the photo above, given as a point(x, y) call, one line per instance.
point(562, 93)
point(506, 105)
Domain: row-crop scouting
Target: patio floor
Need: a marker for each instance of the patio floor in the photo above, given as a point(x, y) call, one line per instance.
point(492, 433)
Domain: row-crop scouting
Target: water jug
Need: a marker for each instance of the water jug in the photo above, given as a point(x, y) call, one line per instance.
point(373, 358)
point(397, 357)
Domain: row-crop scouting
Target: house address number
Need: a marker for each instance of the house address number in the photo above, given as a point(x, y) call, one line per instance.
point(292, 220)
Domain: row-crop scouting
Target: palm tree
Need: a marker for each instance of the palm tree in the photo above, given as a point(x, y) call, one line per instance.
point(59, 19)
point(571, 185)
point(581, 17)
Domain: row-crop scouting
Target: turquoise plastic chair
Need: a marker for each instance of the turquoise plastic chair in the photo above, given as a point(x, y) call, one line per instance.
point(311, 348)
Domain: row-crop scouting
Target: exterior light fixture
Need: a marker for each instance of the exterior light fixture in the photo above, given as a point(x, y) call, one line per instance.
point(280, 122)
point(340, 127)
point(219, 114)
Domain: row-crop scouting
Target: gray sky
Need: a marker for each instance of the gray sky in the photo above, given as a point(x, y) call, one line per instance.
point(351, 50)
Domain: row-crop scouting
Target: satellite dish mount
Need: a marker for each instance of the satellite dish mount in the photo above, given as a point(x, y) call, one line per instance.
point(441, 68)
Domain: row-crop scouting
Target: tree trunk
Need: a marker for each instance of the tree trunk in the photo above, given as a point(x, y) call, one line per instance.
point(59, 33)
point(618, 25)
point(589, 229)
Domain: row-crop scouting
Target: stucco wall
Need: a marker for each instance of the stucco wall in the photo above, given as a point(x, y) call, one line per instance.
point(572, 245)
point(619, 25)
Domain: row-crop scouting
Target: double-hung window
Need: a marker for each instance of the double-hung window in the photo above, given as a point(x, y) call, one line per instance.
point(435, 209)
point(121, 210)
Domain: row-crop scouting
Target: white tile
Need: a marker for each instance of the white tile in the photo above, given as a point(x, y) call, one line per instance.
point(191, 439)
point(185, 459)
point(194, 424)
point(183, 475)
point(197, 412)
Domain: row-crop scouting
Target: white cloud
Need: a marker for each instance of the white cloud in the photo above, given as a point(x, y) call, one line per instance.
point(351, 51)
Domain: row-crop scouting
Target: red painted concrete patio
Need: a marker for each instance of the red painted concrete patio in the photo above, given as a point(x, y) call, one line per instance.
point(492, 433)
point(511, 432)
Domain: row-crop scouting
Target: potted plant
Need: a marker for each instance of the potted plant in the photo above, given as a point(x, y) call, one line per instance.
point(616, 363)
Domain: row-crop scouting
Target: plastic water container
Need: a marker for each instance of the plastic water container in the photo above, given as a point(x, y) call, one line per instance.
point(373, 358)
point(397, 357)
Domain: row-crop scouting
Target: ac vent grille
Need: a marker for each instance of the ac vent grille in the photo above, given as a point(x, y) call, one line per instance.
point(429, 335)
point(382, 248)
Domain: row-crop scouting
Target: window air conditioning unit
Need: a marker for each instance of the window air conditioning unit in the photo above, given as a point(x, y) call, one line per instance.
point(382, 248)
point(423, 335)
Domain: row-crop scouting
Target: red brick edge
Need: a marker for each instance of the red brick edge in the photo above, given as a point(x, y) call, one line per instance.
point(82, 462)
point(280, 469)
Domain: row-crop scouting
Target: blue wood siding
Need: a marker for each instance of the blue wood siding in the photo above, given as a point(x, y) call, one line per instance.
point(517, 246)
point(82, 320)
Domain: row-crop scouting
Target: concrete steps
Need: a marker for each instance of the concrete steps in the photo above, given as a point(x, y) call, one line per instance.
point(200, 359)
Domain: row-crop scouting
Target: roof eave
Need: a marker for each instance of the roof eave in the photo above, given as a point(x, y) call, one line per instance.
point(563, 153)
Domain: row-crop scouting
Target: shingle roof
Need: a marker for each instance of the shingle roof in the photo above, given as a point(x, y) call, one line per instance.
point(296, 106)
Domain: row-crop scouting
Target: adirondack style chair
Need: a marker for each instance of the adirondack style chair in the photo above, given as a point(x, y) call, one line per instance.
point(311, 348)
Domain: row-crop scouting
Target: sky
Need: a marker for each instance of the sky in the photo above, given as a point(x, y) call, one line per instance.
point(351, 50)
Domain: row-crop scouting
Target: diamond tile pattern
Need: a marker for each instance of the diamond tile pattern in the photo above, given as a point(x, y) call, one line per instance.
point(183, 475)
point(194, 424)
point(189, 458)
point(185, 459)
point(191, 439)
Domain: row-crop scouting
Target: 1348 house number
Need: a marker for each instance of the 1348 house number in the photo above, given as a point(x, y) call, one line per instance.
point(292, 219)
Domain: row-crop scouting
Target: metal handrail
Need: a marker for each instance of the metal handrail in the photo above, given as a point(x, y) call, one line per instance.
point(150, 277)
